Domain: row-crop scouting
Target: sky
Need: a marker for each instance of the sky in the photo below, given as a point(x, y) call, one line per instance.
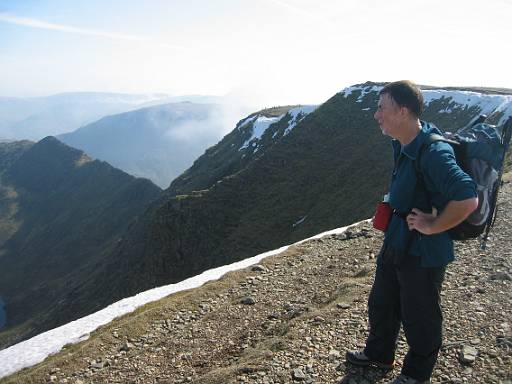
point(32, 351)
point(270, 52)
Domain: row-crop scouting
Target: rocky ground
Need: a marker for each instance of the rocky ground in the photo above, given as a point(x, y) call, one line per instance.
point(292, 318)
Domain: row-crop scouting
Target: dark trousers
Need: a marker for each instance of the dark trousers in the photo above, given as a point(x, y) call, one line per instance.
point(409, 294)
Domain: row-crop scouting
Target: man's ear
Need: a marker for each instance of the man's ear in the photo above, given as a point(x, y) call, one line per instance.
point(404, 111)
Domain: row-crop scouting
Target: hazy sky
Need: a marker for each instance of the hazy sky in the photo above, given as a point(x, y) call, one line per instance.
point(268, 51)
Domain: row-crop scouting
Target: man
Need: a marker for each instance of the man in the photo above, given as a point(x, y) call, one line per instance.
point(417, 248)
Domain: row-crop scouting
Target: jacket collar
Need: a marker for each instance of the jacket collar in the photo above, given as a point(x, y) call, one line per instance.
point(412, 149)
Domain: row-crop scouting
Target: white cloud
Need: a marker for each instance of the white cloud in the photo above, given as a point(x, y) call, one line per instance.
point(34, 23)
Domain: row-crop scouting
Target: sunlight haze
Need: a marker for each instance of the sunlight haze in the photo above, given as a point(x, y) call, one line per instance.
point(268, 52)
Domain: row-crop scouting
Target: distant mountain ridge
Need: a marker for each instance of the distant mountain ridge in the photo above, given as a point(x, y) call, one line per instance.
point(281, 175)
point(36, 117)
point(59, 211)
point(157, 142)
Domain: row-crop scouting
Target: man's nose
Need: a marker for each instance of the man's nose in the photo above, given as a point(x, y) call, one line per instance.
point(375, 115)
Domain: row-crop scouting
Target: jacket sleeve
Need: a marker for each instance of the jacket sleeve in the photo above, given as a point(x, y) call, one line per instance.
point(438, 164)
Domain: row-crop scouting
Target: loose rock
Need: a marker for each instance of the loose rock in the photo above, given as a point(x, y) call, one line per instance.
point(468, 354)
point(248, 301)
point(298, 375)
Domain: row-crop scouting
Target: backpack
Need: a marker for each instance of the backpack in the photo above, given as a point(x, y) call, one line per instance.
point(480, 151)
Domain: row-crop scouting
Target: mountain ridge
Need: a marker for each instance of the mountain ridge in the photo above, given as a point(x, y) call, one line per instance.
point(156, 142)
point(36, 117)
point(470, 88)
point(60, 211)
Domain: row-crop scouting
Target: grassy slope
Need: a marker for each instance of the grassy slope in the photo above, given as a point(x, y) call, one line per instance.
point(332, 167)
point(331, 170)
point(69, 209)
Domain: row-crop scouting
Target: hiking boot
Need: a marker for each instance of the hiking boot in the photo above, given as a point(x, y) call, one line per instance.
point(402, 379)
point(359, 358)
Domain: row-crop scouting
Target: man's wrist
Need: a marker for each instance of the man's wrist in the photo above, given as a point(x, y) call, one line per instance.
point(432, 228)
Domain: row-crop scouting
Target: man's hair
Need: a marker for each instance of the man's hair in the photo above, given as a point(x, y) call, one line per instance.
point(406, 94)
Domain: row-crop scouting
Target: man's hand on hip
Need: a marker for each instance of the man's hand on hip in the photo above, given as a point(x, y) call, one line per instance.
point(421, 221)
point(453, 214)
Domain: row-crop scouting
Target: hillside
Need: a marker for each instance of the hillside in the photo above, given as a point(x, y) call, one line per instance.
point(251, 138)
point(328, 168)
point(449, 107)
point(306, 173)
point(157, 142)
point(59, 211)
point(9, 153)
point(292, 318)
point(328, 171)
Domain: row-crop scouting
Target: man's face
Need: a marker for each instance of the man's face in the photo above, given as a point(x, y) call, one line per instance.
point(388, 115)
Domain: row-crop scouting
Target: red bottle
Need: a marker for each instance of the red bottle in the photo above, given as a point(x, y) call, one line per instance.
point(382, 214)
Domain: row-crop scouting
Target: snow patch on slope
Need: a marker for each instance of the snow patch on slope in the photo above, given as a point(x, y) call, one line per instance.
point(259, 127)
point(300, 221)
point(246, 121)
point(364, 89)
point(486, 103)
point(297, 114)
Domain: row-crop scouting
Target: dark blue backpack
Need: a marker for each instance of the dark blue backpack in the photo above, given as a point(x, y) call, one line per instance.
point(480, 151)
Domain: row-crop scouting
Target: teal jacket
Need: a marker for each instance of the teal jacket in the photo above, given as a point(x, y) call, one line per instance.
point(444, 181)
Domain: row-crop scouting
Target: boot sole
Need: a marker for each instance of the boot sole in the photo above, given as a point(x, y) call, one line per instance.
point(367, 363)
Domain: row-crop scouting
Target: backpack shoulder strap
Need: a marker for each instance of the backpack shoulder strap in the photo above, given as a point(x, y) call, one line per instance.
point(420, 181)
point(432, 138)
